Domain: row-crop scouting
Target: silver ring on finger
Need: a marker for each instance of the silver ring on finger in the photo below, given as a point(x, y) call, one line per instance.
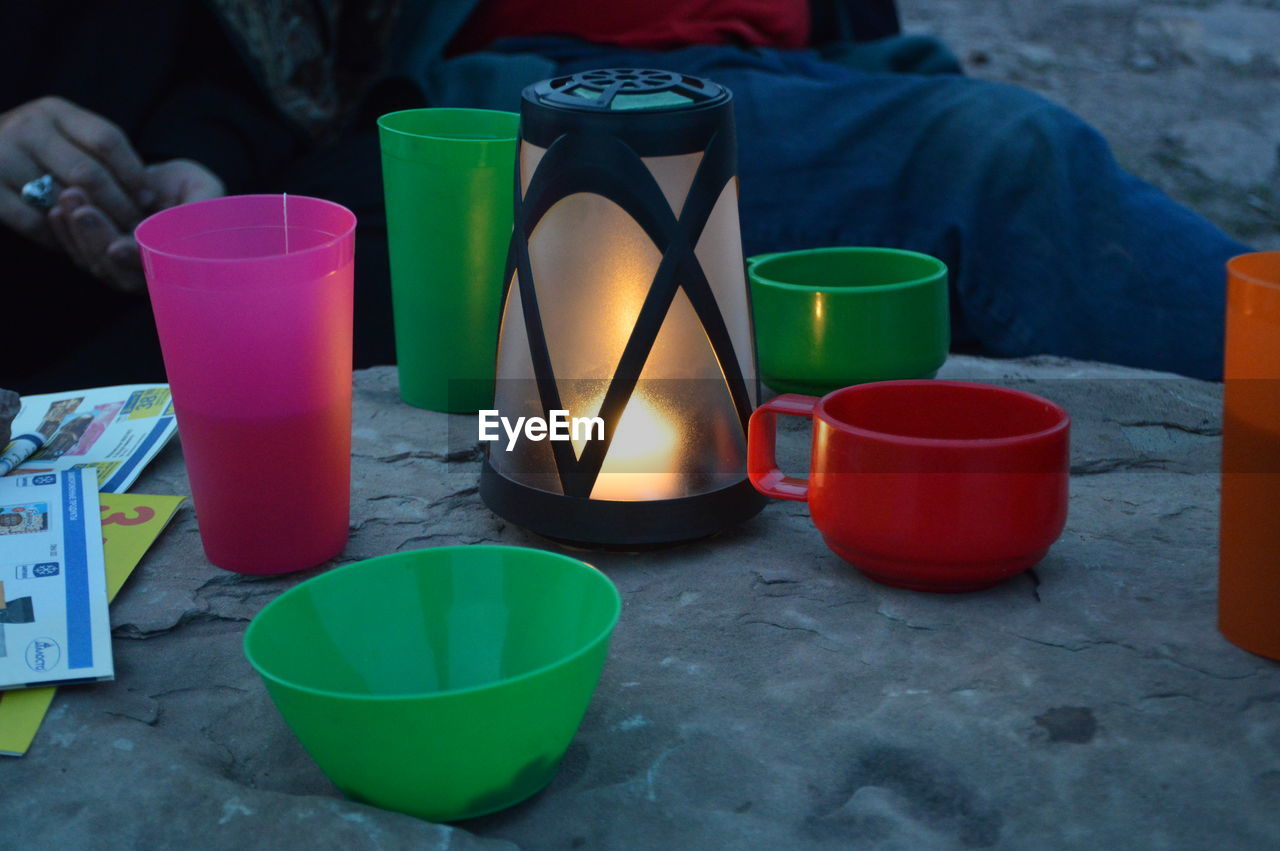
point(41, 192)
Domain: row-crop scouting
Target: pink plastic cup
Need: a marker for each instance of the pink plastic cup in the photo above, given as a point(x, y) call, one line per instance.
point(252, 299)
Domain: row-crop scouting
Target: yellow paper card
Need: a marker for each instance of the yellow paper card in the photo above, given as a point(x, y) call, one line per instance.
point(130, 524)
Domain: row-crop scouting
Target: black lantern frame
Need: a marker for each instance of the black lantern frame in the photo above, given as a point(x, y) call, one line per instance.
point(591, 146)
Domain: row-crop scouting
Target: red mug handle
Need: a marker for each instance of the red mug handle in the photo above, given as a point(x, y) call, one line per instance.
point(762, 441)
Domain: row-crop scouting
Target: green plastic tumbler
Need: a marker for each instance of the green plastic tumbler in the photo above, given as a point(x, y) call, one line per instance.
point(447, 175)
point(444, 683)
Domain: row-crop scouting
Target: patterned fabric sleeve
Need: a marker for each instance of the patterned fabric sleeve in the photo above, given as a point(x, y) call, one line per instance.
point(314, 58)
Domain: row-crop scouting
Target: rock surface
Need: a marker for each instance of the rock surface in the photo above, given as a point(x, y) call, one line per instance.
point(9, 405)
point(1183, 89)
point(759, 691)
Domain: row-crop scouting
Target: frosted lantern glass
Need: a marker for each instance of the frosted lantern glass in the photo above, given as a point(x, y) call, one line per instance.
point(597, 295)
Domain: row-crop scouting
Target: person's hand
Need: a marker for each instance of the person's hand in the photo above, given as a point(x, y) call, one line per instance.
point(81, 150)
point(99, 245)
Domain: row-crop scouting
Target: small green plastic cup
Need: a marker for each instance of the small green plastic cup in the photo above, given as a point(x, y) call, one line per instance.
point(827, 318)
point(444, 683)
point(448, 179)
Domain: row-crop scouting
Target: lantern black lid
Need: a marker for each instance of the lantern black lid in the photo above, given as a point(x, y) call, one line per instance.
point(627, 89)
point(656, 112)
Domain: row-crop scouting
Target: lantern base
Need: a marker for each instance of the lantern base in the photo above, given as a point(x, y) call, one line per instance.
point(613, 524)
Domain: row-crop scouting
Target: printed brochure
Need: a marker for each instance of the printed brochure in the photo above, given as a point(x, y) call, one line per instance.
point(53, 584)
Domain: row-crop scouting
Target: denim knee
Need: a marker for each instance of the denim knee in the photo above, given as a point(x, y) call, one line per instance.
point(1028, 141)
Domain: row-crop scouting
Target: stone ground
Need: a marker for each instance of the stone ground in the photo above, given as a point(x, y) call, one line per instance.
point(1185, 90)
point(759, 692)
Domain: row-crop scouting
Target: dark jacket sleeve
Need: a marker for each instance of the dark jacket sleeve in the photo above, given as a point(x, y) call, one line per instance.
point(237, 136)
point(852, 20)
point(217, 113)
point(163, 70)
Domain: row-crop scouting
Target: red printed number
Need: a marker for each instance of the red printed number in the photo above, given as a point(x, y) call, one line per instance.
point(141, 515)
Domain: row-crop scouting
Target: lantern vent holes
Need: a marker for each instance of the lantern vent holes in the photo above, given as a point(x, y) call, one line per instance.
point(629, 89)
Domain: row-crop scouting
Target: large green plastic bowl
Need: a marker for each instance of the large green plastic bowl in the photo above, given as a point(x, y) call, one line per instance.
point(444, 683)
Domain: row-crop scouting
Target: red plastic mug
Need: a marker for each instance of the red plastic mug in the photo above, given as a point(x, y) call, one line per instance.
point(929, 485)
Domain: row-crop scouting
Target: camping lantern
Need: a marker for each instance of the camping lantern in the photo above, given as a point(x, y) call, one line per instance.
point(626, 310)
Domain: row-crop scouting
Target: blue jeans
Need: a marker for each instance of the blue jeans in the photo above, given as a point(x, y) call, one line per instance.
point(1052, 247)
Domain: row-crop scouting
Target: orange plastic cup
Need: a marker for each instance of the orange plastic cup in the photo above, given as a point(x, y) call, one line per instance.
point(1249, 553)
